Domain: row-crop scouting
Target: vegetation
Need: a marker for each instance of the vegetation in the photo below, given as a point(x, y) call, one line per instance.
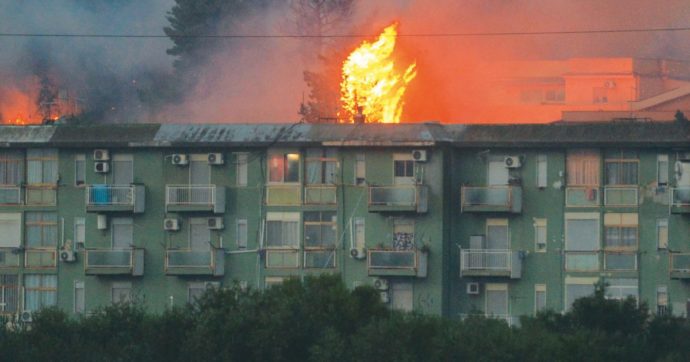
point(321, 320)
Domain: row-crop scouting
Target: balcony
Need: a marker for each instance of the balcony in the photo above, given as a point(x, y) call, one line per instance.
point(491, 199)
point(582, 196)
point(114, 261)
point(680, 200)
point(40, 258)
point(621, 196)
point(320, 195)
point(320, 258)
point(679, 265)
point(383, 262)
point(195, 262)
point(107, 198)
point(399, 198)
point(10, 195)
point(282, 258)
point(582, 261)
point(283, 195)
point(180, 198)
point(490, 263)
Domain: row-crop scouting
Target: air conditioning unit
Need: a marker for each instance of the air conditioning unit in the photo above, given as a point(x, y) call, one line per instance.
point(385, 298)
point(512, 162)
point(381, 284)
point(215, 158)
point(26, 316)
point(101, 167)
point(215, 223)
point(358, 253)
point(101, 155)
point(419, 155)
point(171, 224)
point(68, 256)
point(212, 285)
point(473, 288)
point(180, 159)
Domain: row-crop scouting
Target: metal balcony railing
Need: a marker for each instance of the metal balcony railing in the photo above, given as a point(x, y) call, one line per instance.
point(114, 261)
point(9, 257)
point(582, 196)
point(40, 258)
point(679, 265)
point(398, 198)
point(621, 195)
point(10, 194)
point(195, 197)
point(387, 262)
point(320, 194)
point(491, 199)
point(490, 262)
point(109, 195)
point(187, 261)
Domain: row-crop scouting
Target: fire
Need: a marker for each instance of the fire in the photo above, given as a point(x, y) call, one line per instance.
point(371, 82)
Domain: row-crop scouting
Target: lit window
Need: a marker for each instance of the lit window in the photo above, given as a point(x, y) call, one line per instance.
point(283, 168)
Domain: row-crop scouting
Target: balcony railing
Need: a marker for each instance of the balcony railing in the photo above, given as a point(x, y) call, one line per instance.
point(385, 262)
point(679, 265)
point(114, 261)
point(40, 258)
point(283, 194)
point(282, 258)
point(10, 195)
point(404, 198)
point(195, 262)
point(100, 198)
point(490, 263)
point(621, 196)
point(582, 196)
point(320, 195)
point(584, 261)
point(511, 320)
point(195, 198)
point(680, 200)
point(491, 199)
point(620, 260)
point(9, 257)
point(320, 258)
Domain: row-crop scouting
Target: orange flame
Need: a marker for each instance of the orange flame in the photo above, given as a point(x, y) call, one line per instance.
point(372, 83)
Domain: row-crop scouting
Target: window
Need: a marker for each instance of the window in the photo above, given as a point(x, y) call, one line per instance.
point(583, 168)
point(359, 233)
point(401, 296)
point(321, 166)
point(621, 168)
point(241, 168)
point(403, 234)
point(199, 169)
point(620, 289)
point(40, 290)
point(497, 234)
point(539, 297)
point(360, 169)
point(403, 169)
point(662, 233)
point(199, 234)
point(241, 233)
point(540, 235)
point(282, 229)
point(42, 166)
point(620, 231)
point(123, 169)
point(79, 169)
point(79, 232)
point(582, 241)
point(11, 168)
point(576, 288)
point(9, 293)
point(662, 170)
point(498, 173)
point(79, 297)
point(541, 171)
point(121, 292)
point(283, 168)
point(41, 229)
point(497, 300)
point(10, 230)
point(662, 300)
point(122, 233)
point(320, 229)
point(195, 290)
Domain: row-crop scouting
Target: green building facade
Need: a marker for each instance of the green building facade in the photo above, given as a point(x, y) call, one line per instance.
point(450, 220)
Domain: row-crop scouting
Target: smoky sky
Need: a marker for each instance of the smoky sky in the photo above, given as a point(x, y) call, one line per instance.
point(260, 80)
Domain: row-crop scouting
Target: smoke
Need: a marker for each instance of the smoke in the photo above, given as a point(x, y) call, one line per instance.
point(261, 79)
point(97, 75)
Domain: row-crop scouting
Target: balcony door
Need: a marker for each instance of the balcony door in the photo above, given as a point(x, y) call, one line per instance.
point(496, 300)
point(403, 169)
point(497, 234)
point(123, 173)
point(199, 234)
point(123, 230)
point(497, 174)
point(199, 170)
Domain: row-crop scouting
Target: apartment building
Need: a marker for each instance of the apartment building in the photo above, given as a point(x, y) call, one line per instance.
point(450, 220)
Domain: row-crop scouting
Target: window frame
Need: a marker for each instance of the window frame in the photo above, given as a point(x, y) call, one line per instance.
point(540, 223)
point(539, 288)
point(662, 170)
point(241, 169)
point(326, 157)
point(542, 174)
point(284, 157)
point(661, 223)
point(80, 159)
